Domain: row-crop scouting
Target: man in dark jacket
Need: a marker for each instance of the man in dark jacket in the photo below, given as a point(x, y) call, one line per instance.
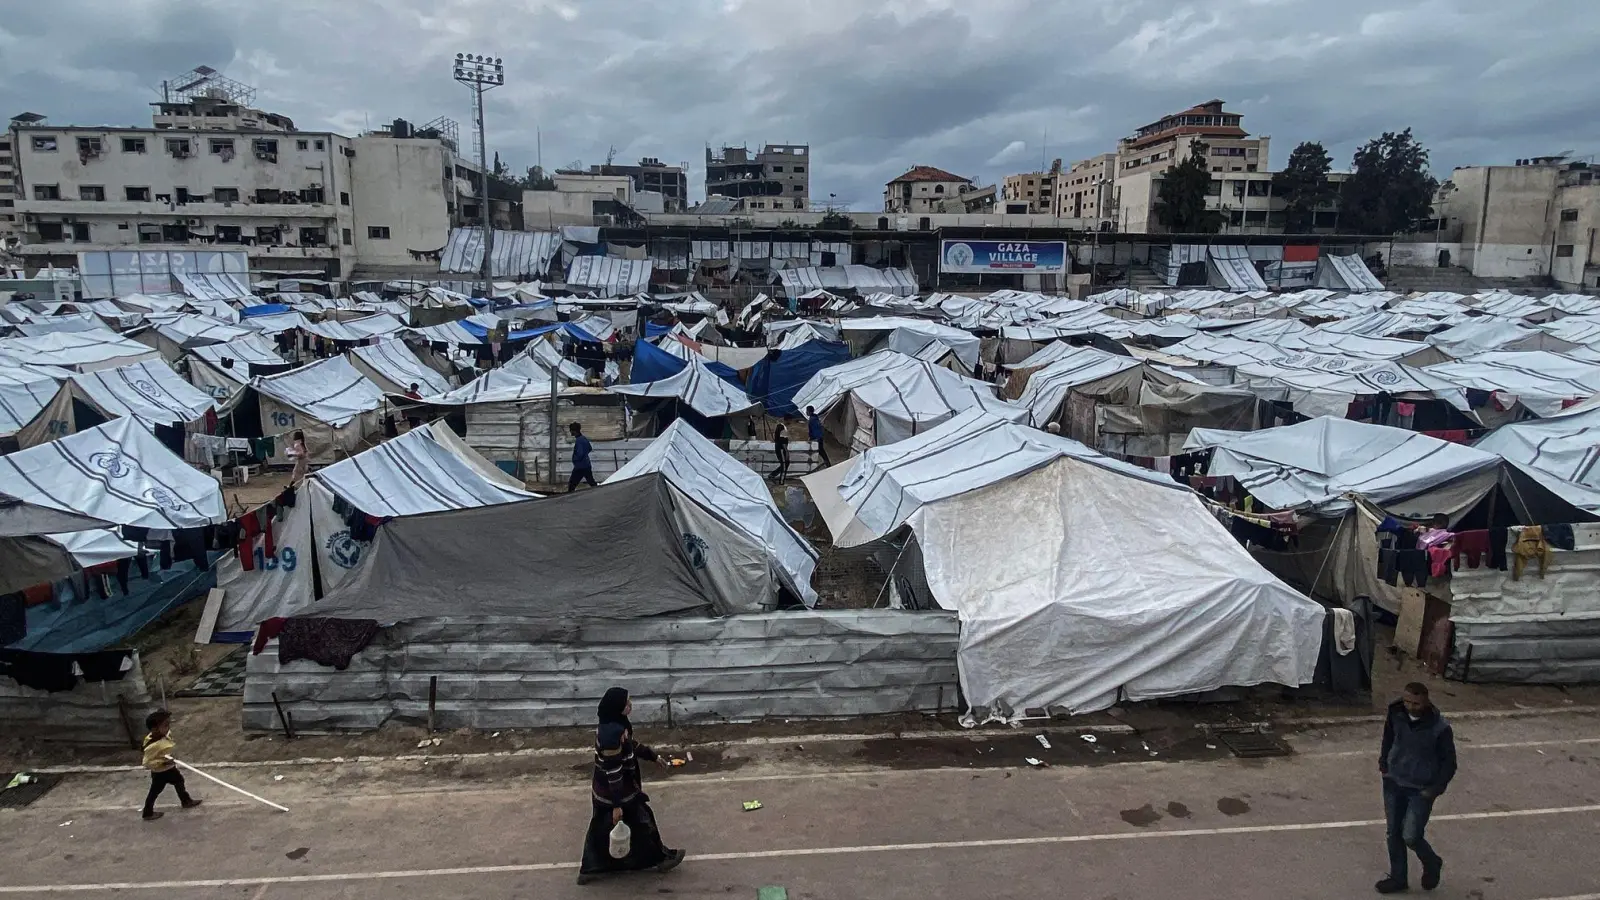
point(1417, 761)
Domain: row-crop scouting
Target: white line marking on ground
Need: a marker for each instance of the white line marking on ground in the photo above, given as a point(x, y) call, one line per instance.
point(790, 852)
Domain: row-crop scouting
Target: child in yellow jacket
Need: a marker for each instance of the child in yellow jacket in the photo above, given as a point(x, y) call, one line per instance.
point(158, 747)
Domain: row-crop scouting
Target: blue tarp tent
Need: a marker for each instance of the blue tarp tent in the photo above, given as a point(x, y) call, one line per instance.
point(773, 382)
point(263, 309)
point(651, 363)
point(652, 330)
point(480, 332)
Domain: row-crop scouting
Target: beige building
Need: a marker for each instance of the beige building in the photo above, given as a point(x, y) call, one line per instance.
point(1157, 147)
point(293, 201)
point(923, 189)
point(579, 198)
point(1534, 219)
point(1036, 189)
point(1087, 190)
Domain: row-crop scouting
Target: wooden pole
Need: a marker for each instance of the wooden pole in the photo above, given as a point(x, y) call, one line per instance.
point(288, 733)
point(433, 699)
point(231, 787)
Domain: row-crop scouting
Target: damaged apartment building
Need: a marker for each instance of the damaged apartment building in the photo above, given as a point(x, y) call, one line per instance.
point(213, 173)
point(777, 177)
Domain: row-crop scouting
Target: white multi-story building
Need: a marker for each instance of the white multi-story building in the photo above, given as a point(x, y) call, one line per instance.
point(217, 176)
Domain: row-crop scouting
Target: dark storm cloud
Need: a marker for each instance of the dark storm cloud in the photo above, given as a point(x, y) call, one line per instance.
point(969, 87)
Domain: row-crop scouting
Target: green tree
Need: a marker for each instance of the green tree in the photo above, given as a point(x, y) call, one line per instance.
point(836, 221)
point(537, 180)
point(1180, 206)
point(1389, 190)
point(1303, 185)
point(501, 170)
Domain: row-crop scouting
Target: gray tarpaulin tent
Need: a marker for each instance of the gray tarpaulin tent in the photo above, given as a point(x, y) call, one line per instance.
point(609, 553)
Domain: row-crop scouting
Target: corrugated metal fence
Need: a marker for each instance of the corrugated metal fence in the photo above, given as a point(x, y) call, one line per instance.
point(109, 713)
point(520, 674)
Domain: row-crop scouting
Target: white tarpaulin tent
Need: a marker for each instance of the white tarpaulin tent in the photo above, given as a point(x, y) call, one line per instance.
point(696, 387)
point(394, 368)
point(911, 336)
point(520, 379)
point(81, 352)
point(1312, 465)
point(1346, 273)
point(1541, 380)
point(1231, 269)
point(118, 473)
point(24, 391)
point(734, 493)
point(888, 397)
point(149, 392)
point(1029, 537)
point(333, 404)
point(609, 276)
point(224, 370)
point(1561, 453)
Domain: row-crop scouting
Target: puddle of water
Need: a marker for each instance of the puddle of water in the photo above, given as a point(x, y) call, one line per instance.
point(1232, 806)
point(1143, 816)
point(1177, 810)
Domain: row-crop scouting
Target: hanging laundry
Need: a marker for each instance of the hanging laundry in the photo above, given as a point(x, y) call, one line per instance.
point(190, 544)
point(211, 420)
point(286, 497)
point(264, 514)
point(1388, 570)
point(1413, 567)
point(135, 534)
point(328, 642)
point(40, 671)
point(106, 665)
point(1498, 539)
point(1560, 537)
point(1439, 556)
point(13, 618)
point(266, 631)
point(1473, 546)
point(1530, 545)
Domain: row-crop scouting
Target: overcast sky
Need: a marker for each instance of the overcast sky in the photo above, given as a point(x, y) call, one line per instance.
point(874, 87)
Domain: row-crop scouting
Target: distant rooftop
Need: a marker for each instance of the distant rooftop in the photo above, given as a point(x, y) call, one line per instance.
point(928, 173)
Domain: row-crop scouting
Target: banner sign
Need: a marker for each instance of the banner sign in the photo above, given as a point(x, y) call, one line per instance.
point(1036, 257)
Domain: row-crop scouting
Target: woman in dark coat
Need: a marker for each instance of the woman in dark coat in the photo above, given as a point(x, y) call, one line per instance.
point(618, 796)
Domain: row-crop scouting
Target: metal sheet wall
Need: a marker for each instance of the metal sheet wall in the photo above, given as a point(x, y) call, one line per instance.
point(89, 714)
point(518, 674)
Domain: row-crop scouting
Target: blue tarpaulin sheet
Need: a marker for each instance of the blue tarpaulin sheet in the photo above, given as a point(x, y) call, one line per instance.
point(579, 334)
point(651, 363)
point(264, 309)
point(652, 330)
point(70, 625)
point(480, 332)
point(774, 382)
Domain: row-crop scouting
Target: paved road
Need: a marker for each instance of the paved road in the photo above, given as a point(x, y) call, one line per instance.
point(1521, 823)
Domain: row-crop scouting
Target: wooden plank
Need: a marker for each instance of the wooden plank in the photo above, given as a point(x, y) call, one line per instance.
point(208, 616)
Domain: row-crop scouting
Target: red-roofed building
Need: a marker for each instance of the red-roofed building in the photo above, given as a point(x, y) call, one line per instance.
point(923, 189)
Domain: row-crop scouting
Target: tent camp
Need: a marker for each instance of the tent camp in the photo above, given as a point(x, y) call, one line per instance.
point(394, 367)
point(775, 380)
point(425, 470)
point(1080, 582)
point(150, 393)
point(888, 396)
point(333, 404)
point(909, 336)
point(748, 551)
point(695, 389)
point(1346, 273)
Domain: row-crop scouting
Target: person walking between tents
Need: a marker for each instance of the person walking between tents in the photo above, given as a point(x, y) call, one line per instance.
point(618, 796)
point(582, 470)
point(780, 448)
point(814, 432)
point(302, 458)
point(1418, 760)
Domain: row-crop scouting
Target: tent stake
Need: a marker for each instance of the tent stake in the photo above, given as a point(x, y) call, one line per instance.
point(288, 733)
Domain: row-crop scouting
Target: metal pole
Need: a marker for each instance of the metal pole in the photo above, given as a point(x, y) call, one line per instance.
point(554, 423)
point(483, 184)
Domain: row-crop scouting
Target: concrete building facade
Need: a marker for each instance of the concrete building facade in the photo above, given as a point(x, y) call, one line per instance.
point(923, 189)
point(291, 200)
point(1036, 189)
point(1535, 219)
point(778, 176)
point(579, 198)
point(1142, 157)
point(1087, 190)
